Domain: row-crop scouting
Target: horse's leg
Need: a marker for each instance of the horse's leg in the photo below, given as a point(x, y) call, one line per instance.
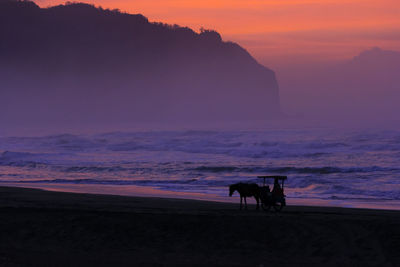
point(245, 203)
point(258, 202)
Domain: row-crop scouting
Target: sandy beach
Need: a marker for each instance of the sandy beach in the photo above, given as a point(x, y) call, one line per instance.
point(43, 228)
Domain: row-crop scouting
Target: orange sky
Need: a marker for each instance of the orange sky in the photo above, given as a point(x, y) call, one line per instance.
point(278, 32)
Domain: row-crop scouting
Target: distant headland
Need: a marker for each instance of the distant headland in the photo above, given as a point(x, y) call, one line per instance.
point(77, 62)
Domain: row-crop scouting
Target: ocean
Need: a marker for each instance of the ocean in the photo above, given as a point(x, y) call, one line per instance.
point(324, 167)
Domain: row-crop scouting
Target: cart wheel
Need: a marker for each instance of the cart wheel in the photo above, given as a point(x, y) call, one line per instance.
point(278, 206)
point(265, 207)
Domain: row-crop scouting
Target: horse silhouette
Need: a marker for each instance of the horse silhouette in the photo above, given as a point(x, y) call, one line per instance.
point(246, 190)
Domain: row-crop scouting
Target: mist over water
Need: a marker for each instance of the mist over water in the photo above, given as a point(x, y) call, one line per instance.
point(322, 164)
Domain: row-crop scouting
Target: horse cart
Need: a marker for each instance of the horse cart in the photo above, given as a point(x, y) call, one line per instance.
point(276, 197)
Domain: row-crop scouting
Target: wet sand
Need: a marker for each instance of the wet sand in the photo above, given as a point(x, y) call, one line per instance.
point(43, 228)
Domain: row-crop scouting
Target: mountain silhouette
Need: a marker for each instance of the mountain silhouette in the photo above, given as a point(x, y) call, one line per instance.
point(76, 62)
point(365, 88)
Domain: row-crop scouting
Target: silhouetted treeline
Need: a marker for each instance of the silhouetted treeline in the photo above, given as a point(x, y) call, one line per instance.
point(79, 62)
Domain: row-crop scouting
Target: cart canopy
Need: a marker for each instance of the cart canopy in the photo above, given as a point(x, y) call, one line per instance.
point(273, 177)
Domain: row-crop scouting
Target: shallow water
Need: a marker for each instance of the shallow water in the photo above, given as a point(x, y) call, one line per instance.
point(351, 168)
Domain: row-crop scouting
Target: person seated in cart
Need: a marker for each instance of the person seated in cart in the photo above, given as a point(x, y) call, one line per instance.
point(277, 190)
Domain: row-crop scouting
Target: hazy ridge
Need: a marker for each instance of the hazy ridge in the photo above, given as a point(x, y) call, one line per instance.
point(78, 63)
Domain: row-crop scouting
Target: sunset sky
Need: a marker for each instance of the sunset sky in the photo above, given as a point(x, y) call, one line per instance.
point(280, 32)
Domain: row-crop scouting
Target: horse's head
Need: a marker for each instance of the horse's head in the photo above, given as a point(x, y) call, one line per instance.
point(232, 188)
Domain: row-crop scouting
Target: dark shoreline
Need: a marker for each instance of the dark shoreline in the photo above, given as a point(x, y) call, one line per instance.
point(44, 228)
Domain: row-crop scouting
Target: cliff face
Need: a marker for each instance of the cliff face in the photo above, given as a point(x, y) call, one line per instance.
point(77, 62)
